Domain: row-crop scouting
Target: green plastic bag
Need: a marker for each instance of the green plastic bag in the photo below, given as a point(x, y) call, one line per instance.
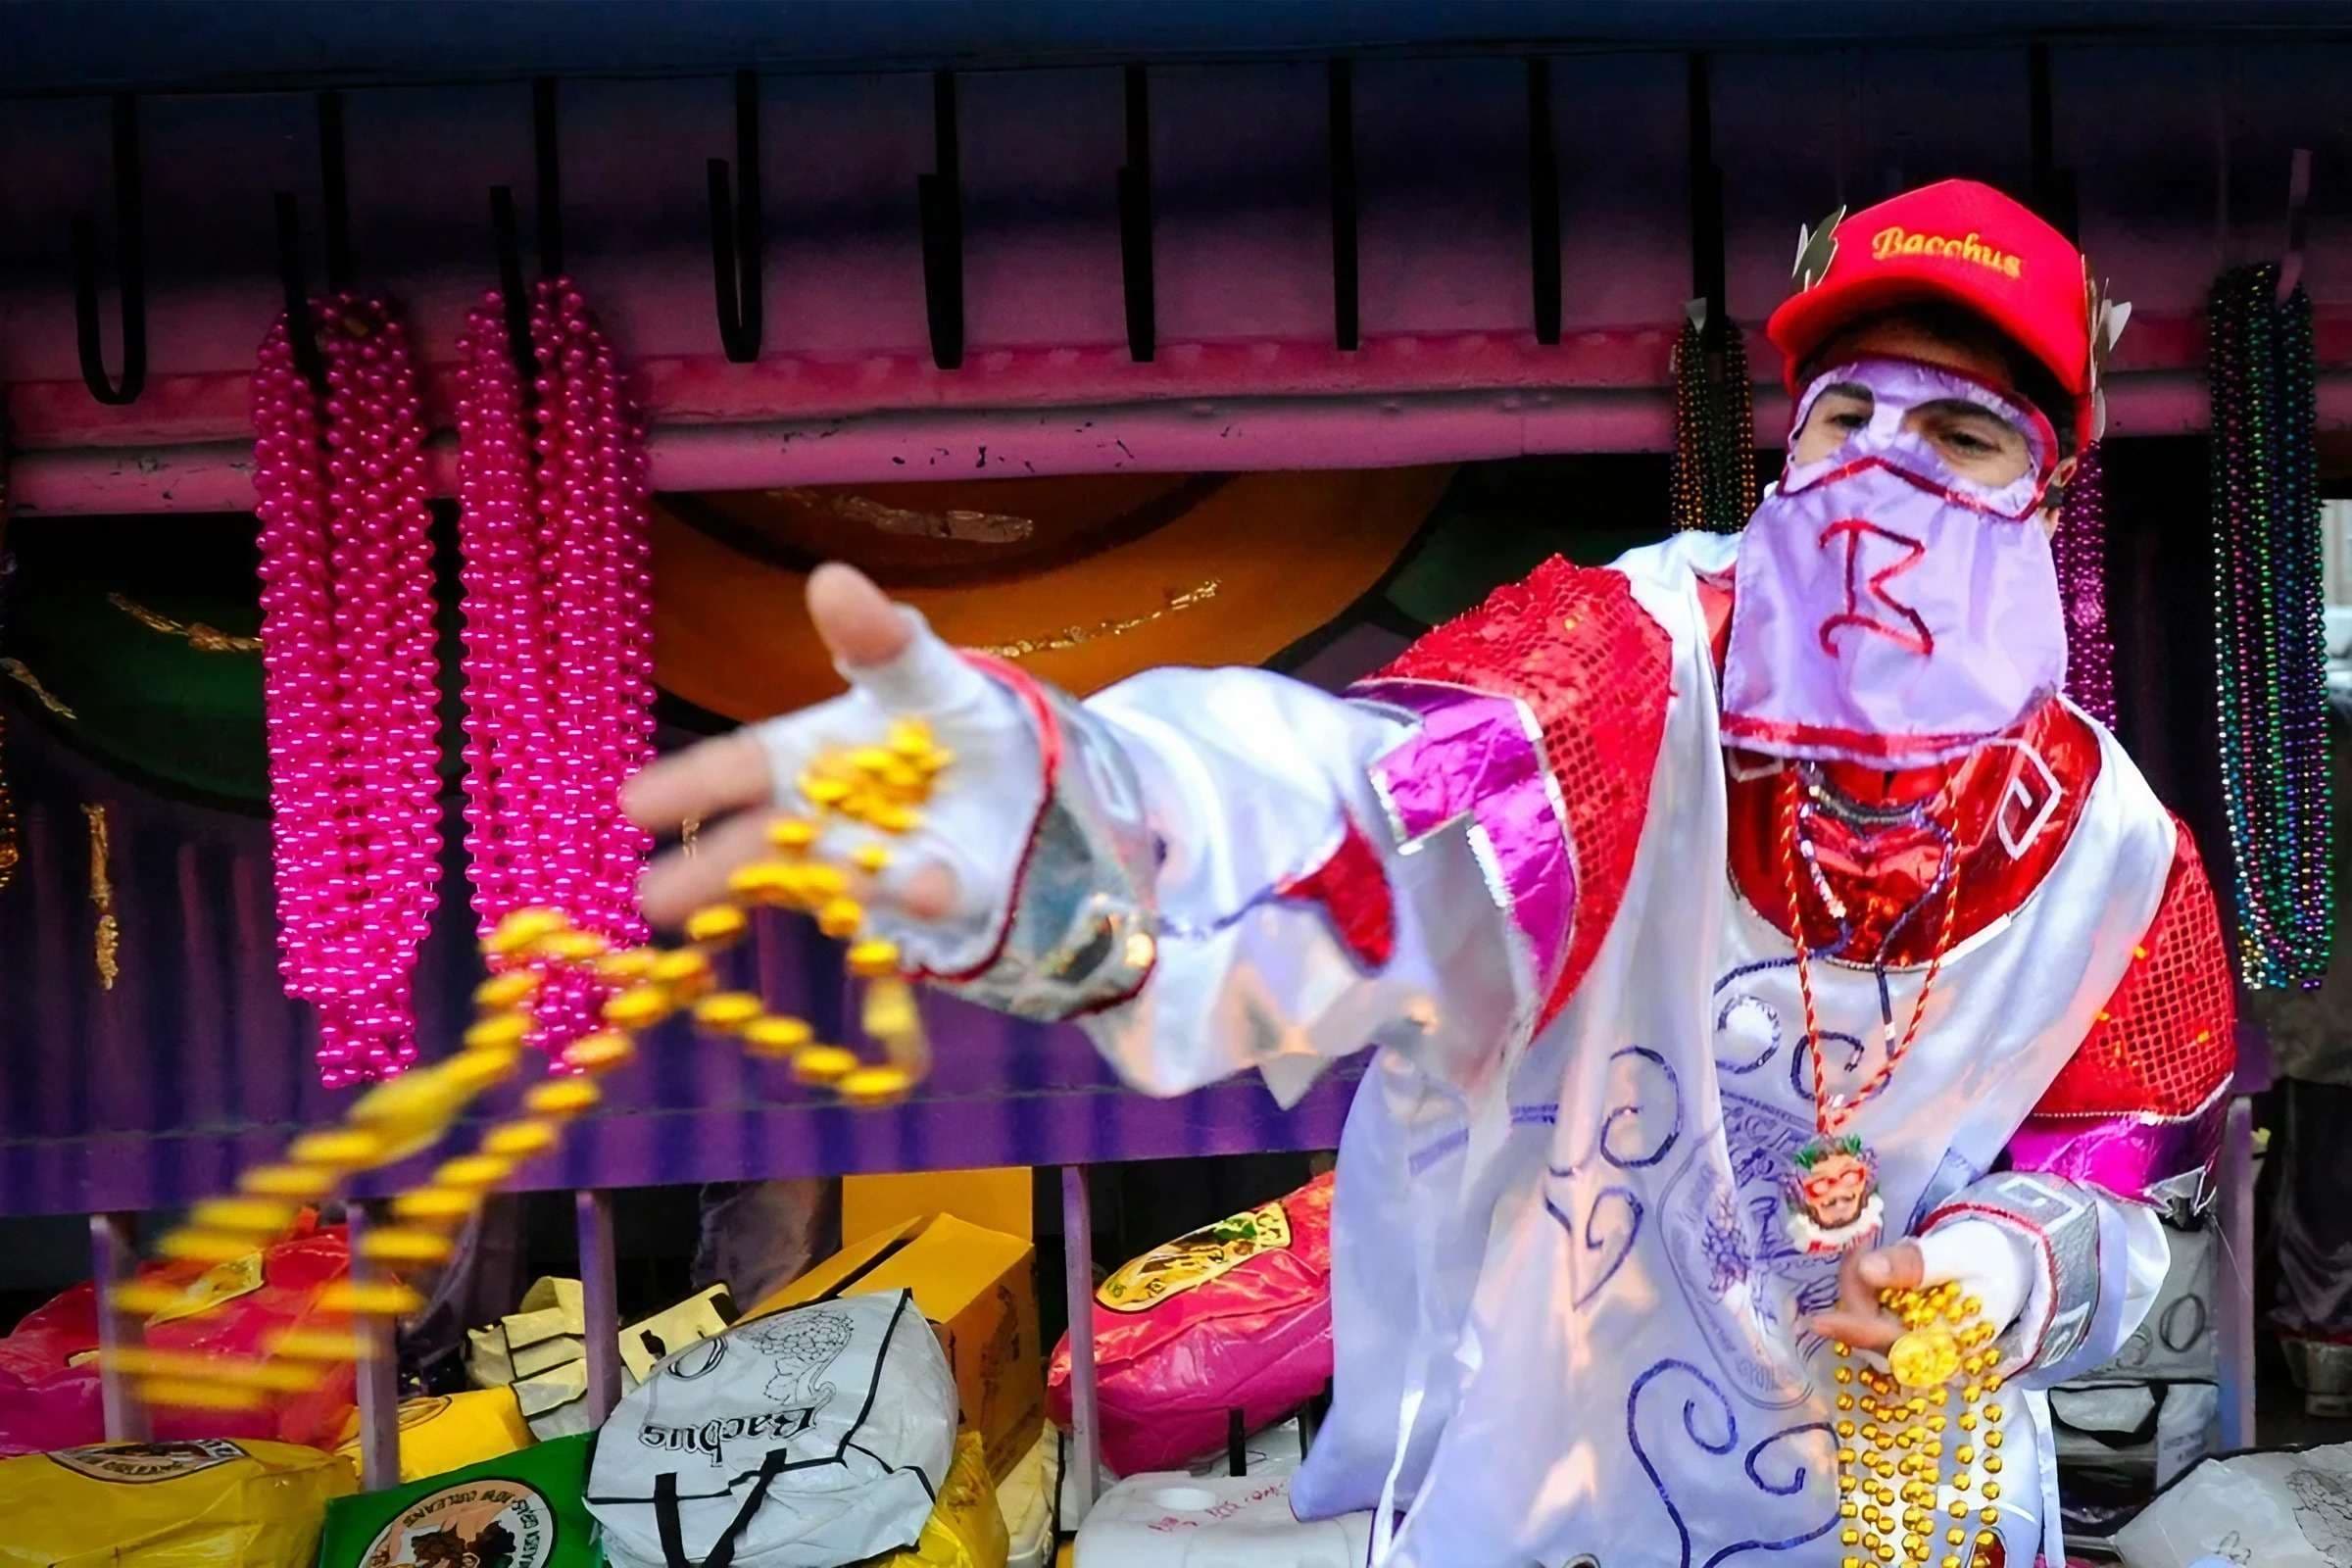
point(519, 1511)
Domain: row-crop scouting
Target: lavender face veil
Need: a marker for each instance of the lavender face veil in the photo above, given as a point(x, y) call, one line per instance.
point(1890, 609)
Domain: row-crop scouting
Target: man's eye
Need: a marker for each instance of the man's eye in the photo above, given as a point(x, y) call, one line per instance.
point(1976, 446)
point(1849, 421)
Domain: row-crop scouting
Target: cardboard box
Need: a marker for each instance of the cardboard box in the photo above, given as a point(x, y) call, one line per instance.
point(999, 1198)
point(977, 1287)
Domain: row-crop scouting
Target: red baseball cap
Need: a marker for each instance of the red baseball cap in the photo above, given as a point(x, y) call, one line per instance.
point(1960, 242)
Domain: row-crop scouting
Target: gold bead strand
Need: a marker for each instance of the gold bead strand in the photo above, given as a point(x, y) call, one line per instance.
point(1906, 1467)
point(881, 789)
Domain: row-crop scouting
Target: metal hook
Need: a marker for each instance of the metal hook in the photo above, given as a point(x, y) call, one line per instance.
point(2298, 223)
point(131, 270)
point(513, 296)
point(737, 241)
point(302, 333)
point(334, 191)
point(1134, 222)
point(1543, 202)
point(505, 237)
point(1706, 207)
point(1346, 325)
point(547, 154)
point(939, 202)
point(2053, 187)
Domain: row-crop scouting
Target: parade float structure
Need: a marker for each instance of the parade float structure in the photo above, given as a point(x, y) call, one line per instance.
point(1119, 336)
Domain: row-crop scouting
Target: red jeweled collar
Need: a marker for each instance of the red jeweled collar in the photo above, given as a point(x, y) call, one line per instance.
point(2010, 806)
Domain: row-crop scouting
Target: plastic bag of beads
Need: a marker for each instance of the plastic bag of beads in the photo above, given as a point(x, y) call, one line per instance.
point(967, 1528)
point(1233, 1317)
point(2272, 1509)
point(49, 1366)
point(524, 1510)
point(212, 1505)
point(441, 1432)
point(808, 1439)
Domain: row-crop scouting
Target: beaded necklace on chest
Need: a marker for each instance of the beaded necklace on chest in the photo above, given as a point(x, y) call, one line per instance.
point(1917, 1436)
point(1834, 1202)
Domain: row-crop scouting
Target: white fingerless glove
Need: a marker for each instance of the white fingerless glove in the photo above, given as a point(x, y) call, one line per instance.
point(978, 821)
point(1988, 1261)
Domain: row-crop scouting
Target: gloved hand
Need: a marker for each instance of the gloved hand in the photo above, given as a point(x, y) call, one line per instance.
point(1988, 1261)
point(945, 893)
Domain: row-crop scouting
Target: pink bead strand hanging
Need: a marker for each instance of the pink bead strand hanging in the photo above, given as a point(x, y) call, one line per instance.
point(2080, 549)
point(349, 678)
point(558, 641)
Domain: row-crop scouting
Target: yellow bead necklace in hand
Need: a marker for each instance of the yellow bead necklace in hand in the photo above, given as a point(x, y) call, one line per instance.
point(877, 790)
point(1919, 1443)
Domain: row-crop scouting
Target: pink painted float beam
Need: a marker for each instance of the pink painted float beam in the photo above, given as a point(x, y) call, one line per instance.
point(1204, 436)
point(709, 390)
point(1226, 406)
point(705, 389)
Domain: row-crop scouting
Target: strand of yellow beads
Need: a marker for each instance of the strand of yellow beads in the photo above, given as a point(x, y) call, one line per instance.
point(879, 788)
point(1919, 1442)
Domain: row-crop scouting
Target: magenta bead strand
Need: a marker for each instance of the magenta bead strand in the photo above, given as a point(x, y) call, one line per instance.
point(348, 679)
point(555, 534)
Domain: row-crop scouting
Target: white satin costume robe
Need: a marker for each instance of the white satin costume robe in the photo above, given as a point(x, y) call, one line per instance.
point(1566, 1312)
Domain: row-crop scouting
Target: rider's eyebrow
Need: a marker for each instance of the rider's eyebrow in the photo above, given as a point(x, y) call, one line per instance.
point(1962, 409)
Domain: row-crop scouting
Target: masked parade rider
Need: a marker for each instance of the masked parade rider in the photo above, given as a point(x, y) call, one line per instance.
point(1741, 929)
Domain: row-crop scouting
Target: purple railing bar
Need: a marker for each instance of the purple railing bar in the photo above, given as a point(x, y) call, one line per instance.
point(2234, 1282)
point(600, 1300)
point(114, 1258)
point(378, 1372)
point(1078, 1283)
point(753, 1138)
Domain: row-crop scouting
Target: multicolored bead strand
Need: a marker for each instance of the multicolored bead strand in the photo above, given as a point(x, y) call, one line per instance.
point(349, 677)
point(2270, 644)
point(1714, 482)
point(2079, 547)
point(555, 535)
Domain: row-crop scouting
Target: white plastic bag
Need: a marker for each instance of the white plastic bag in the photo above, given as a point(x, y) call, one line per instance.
point(1175, 1520)
point(808, 1439)
point(2257, 1510)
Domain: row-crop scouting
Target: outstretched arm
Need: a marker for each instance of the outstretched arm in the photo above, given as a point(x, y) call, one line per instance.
point(1213, 869)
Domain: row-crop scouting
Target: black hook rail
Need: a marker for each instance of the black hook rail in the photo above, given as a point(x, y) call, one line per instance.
point(1134, 223)
point(738, 242)
point(130, 272)
point(1346, 326)
point(939, 200)
point(1542, 203)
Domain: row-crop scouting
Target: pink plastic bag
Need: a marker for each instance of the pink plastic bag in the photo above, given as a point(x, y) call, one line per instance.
point(1237, 1315)
point(49, 1366)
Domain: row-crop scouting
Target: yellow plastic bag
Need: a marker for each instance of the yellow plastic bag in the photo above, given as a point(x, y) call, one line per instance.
point(447, 1431)
point(216, 1504)
point(967, 1529)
